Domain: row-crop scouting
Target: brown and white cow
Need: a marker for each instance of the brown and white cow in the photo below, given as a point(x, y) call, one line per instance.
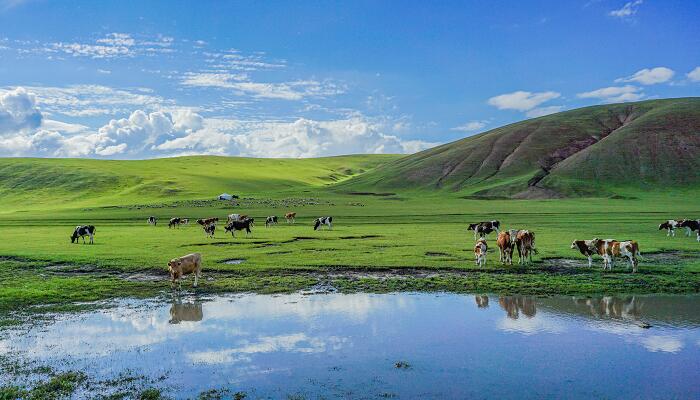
point(207, 221)
point(505, 243)
point(609, 249)
point(181, 266)
point(670, 226)
point(290, 217)
point(480, 249)
point(525, 244)
point(586, 247)
point(484, 228)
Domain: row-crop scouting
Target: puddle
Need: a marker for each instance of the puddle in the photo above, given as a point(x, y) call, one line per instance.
point(403, 345)
point(234, 261)
point(360, 237)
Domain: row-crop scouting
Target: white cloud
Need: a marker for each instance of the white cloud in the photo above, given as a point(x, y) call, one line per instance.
point(648, 76)
point(294, 90)
point(542, 111)
point(521, 100)
point(614, 94)
point(628, 10)
point(18, 111)
point(470, 126)
point(112, 45)
point(694, 75)
point(666, 344)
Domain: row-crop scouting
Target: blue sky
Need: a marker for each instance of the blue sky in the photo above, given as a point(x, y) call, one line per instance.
point(304, 79)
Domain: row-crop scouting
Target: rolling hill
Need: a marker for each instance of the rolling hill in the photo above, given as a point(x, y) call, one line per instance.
point(32, 183)
point(592, 151)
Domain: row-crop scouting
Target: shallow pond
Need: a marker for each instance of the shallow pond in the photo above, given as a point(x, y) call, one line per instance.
point(402, 345)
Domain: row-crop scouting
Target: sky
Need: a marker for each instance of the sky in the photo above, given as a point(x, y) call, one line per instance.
point(132, 79)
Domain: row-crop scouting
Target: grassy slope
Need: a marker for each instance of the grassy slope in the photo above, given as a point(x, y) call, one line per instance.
point(47, 184)
point(593, 150)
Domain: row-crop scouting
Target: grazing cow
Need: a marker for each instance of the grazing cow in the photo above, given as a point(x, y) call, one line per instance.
point(185, 221)
point(480, 249)
point(81, 231)
point(209, 230)
point(586, 247)
point(614, 248)
point(234, 217)
point(174, 222)
point(152, 220)
point(234, 226)
point(484, 228)
point(505, 244)
point(328, 221)
point(691, 225)
point(670, 226)
point(271, 220)
point(208, 221)
point(525, 243)
point(291, 217)
point(189, 264)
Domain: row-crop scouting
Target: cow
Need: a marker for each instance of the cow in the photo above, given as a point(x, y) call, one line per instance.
point(670, 226)
point(290, 217)
point(586, 247)
point(209, 230)
point(484, 228)
point(234, 226)
point(271, 220)
point(615, 248)
point(81, 231)
point(185, 221)
point(181, 266)
point(234, 217)
point(691, 225)
point(505, 243)
point(525, 243)
point(328, 221)
point(207, 221)
point(174, 222)
point(480, 249)
point(152, 220)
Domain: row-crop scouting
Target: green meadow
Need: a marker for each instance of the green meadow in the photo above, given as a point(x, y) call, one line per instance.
point(386, 241)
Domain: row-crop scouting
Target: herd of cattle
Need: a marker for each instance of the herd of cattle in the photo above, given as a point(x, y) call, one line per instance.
point(507, 241)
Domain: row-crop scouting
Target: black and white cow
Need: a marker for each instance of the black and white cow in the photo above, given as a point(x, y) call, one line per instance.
point(271, 220)
point(152, 220)
point(234, 226)
point(328, 221)
point(209, 230)
point(81, 231)
point(670, 225)
point(174, 222)
point(691, 225)
point(484, 228)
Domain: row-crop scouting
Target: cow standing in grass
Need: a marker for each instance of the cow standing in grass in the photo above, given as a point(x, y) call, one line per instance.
point(691, 225)
point(480, 249)
point(209, 230)
point(505, 243)
point(174, 222)
point(271, 220)
point(525, 243)
point(290, 217)
point(670, 226)
point(482, 229)
point(152, 220)
point(585, 247)
point(609, 249)
point(328, 221)
point(234, 226)
point(81, 231)
point(189, 264)
point(208, 221)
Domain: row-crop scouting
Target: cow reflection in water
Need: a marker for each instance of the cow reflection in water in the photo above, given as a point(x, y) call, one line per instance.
point(191, 312)
point(482, 301)
point(514, 305)
point(613, 307)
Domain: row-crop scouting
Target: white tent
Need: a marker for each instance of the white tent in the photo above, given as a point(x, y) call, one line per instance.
point(225, 196)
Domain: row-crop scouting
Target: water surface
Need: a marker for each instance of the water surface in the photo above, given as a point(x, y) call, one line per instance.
point(347, 346)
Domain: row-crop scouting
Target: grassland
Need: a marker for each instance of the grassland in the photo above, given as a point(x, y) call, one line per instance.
point(407, 240)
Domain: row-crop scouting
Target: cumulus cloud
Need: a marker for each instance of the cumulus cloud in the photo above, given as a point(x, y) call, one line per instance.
point(542, 111)
point(614, 94)
point(694, 75)
point(648, 76)
point(18, 111)
point(471, 126)
point(521, 100)
point(628, 10)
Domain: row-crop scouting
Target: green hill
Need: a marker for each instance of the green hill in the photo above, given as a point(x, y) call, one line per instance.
point(599, 150)
point(29, 183)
